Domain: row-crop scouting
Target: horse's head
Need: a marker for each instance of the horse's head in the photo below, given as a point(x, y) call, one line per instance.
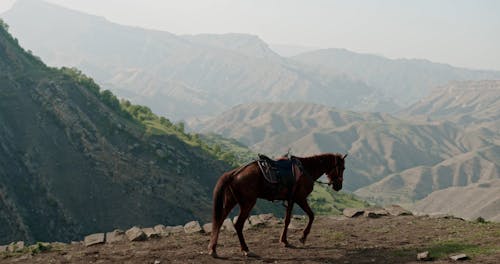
point(336, 174)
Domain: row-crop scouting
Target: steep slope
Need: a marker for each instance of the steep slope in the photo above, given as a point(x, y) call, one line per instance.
point(378, 144)
point(73, 163)
point(404, 80)
point(177, 76)
point(469, 202)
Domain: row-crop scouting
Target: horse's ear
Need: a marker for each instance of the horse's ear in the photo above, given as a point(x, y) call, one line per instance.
point(344, 156)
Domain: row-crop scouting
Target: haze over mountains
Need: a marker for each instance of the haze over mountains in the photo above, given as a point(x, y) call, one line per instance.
point(203, 75)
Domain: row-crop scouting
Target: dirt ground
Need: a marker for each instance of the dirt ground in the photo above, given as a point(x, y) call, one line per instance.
point(387, 239)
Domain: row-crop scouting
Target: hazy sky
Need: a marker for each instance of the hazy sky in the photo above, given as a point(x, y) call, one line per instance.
point(459, 32)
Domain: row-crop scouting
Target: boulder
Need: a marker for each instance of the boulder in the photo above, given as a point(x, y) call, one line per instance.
point(375, 212)
point(353, 212)
point(267, 217)
point(255, 220)
point(175, 229)
point(116, 235)
point(207, 228)
point(459, 257)
point(228, 225)
point(151, 232)
point(94, 239)
point(397, 210)
point(3, 248)
point(192, 227)
point(423, 256)
point(15, 246)
point(162, 230)
point(135, 234)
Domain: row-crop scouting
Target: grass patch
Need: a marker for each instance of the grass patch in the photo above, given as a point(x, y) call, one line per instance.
point(445, 248)
point(325, 201)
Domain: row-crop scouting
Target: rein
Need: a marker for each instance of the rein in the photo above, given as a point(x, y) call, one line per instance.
point(325, 183)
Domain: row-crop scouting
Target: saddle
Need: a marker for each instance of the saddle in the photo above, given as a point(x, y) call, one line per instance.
point(278, 172)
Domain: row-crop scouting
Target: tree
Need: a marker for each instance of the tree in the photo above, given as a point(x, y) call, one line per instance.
point(4, 25)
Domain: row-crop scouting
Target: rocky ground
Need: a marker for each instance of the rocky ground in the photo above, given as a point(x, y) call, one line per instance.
point(370, 238)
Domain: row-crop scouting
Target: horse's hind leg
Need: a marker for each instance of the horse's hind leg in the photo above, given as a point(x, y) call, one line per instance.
point(229, 204)
point(242, 217)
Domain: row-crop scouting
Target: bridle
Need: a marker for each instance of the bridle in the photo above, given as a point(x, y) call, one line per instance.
point(330, 180)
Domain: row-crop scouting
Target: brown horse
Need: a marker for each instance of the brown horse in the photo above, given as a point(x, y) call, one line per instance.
point(244, 185)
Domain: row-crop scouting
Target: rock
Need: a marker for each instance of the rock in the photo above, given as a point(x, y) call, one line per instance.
point(162, 230)
point(256, 221)
point(157, 262)
point(15, 246)
point(207, 228)
point(397, 210)
point(423, 256)
point(459, 257)
point(116, 235)
point(94, 239)
point(151, 232)
point(267, 217)
point(353, 212)
point(175, 229)
point(375, 212)
point(192, 227)
point(228, 225)
point(445, 216)
point(135, 234)
point(3, 248)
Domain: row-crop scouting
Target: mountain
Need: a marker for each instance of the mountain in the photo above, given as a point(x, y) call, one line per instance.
point(472, 104)
point(392, 159)
point(378, 144)
point(416, 183)
point(468, 202)
point(177, 76)
point(290, 50)
point(473, 108)
point(73, 162)
point(404, 80)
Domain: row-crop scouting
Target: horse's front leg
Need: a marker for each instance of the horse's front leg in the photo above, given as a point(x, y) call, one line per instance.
point(288, 215)
point(305, 206)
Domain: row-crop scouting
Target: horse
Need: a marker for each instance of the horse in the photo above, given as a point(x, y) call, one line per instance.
point(245, 184)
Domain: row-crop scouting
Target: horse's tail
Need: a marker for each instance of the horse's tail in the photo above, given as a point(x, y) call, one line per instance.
point(218, 196)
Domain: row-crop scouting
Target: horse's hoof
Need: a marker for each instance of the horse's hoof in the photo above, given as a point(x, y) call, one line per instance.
point(250, 254)
point(285, 244)
point(213, 254)
point(302, 240)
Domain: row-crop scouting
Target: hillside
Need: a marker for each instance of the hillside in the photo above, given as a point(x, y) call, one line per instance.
point(175, 75)
point(404, 80)
point(465, 201)
point(474, 105)
point(416, 183)
point(388, 239)
point(73, 162)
